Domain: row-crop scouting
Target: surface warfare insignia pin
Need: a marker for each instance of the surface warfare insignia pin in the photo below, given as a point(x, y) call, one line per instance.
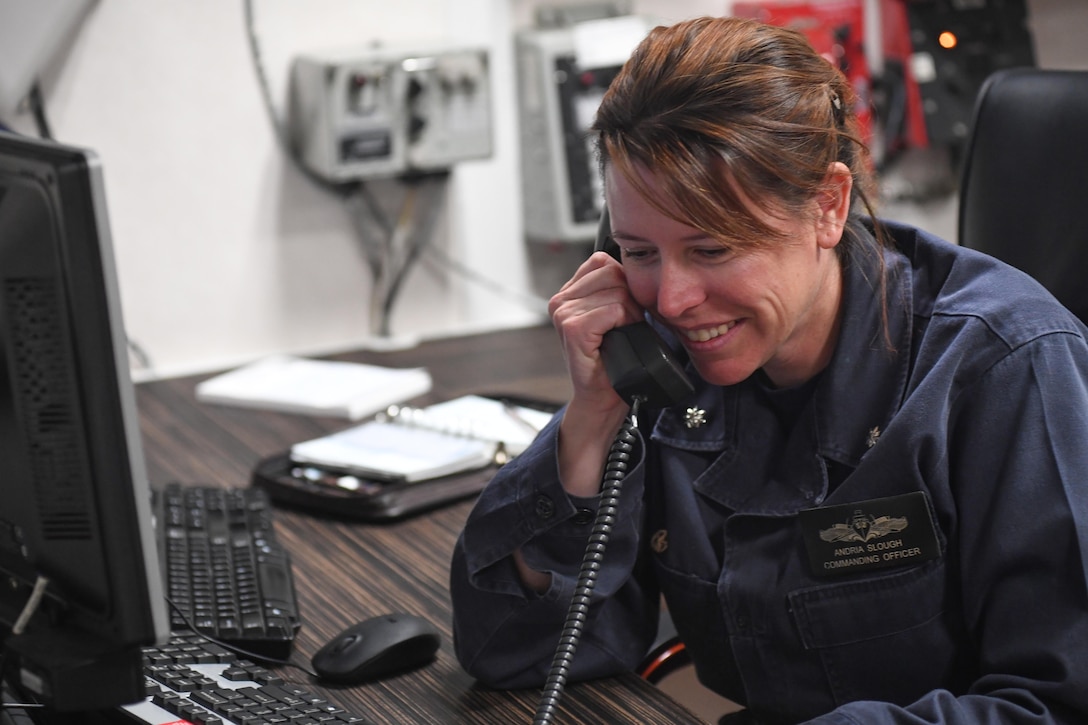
point(864, 527)
point(874, 534)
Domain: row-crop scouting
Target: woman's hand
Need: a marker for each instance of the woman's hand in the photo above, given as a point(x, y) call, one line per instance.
point(591, 303)
point(594, 301)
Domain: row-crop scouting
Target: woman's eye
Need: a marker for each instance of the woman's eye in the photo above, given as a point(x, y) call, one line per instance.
point(635, 255)
point(647, 254)
point(716, 252)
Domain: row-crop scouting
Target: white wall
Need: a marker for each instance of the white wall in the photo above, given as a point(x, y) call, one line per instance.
point(226, 252)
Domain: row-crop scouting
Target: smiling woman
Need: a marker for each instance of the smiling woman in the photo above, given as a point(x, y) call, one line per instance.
point(736, 306)
point(855, 382)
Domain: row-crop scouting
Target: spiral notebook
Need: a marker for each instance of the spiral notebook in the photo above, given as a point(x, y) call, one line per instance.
point(417, 444)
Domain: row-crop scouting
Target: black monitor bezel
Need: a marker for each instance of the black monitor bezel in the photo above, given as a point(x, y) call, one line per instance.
point(112, 613)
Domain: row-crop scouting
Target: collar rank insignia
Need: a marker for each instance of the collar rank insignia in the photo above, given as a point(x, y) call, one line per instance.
point(694, 417)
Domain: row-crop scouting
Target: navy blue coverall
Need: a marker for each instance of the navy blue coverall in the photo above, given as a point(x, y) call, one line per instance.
point(904, 539)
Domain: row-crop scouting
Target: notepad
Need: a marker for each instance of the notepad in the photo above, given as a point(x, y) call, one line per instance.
point(315, 387)
point(417, 444)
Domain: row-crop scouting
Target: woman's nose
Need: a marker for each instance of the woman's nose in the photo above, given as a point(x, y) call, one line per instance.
point(678, 290)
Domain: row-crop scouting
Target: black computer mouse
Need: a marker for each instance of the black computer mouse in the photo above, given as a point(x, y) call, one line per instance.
point(377, 647)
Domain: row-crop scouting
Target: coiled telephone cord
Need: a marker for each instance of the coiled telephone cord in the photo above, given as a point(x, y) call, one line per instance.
point(615, 471)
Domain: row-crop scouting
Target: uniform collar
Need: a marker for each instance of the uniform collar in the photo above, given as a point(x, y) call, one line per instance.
point(863, 385)
point(865, 382)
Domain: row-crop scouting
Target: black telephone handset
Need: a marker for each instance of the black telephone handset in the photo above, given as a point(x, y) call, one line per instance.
point(638, 361)
point(642, 370)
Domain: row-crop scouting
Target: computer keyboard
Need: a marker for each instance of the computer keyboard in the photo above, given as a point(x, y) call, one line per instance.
point(224, 572)
point(191, 679)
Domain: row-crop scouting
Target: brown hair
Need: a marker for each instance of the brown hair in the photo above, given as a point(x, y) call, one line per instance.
point(727, 111)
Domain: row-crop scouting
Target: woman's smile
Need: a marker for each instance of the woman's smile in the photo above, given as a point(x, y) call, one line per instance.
point(707, 333)
point(736, 306)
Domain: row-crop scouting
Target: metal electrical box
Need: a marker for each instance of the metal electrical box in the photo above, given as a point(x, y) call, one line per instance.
point(366, 113)
point(563, 73)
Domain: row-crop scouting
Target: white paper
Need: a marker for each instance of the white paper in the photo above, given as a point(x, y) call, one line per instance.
point(485, 418)
point(422, 443)
point(317, 387)
point(388, 450)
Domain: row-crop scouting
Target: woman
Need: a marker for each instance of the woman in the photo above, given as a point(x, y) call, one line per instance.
point(873, 507)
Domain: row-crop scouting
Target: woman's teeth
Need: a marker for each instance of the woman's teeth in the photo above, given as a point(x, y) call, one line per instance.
point(708, 333)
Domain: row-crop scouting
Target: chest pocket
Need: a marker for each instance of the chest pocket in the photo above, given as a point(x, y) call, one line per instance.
point(887, 637)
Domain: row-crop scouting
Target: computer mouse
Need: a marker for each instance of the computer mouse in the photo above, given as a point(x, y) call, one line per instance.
point(376, 647)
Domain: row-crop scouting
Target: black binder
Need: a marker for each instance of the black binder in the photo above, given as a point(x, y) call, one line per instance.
point(287, 485)
point(294, 485)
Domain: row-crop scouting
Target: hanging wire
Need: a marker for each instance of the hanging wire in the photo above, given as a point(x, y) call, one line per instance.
point(434, 188)
point(437, 258)
point(37, 107)
point(32, 604)
point(279, 127)
point(384, 244)
point(578, 611)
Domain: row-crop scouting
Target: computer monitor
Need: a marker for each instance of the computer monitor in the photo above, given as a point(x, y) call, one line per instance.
point(75, 511)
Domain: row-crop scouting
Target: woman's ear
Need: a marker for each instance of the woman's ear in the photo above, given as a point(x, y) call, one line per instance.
point(834, 204)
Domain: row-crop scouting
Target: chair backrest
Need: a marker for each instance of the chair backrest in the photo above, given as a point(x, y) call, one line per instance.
point(1024, 188)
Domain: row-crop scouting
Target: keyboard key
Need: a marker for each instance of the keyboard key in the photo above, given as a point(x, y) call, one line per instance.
point(232, 691)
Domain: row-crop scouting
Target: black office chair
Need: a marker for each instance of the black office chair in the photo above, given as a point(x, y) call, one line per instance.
point(667, 654)
point(664, 659)
point(1025, 178)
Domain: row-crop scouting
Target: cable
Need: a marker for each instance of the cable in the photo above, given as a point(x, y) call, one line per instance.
point(233, 648)
point(379, 254)
point(614, 474)
point(262, 79)
point(358, 190)
point(387, 270)
point(31, 605)
point(279, 128)
point(416, 243)
point(37, 106)
point(140, 355)
point(393, 266)
point(15, 707)
point(391, 257)
point(533, 303)
point(369, 203)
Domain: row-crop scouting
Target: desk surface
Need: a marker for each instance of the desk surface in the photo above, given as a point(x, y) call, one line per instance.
point(346, 572)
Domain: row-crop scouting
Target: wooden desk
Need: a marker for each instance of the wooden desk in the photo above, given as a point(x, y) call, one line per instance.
point(346, 572)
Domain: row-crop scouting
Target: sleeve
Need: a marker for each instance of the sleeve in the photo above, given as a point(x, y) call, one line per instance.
point(1019, 480)
point(505, 635)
